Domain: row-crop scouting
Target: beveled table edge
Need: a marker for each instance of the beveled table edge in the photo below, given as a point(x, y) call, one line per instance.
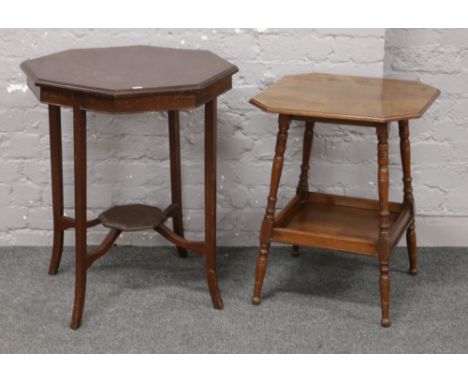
point(344, 118)
point(185, 89)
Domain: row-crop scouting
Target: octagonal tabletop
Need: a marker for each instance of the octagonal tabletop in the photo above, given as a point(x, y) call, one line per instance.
point(346, 98)
point(129, 70)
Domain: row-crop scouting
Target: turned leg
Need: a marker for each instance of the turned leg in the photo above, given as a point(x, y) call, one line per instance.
point(210, 203)
point(384, 224)
point(411, 244)
point(176, 182)
point(268, 220)
point(79, 132)
point(408, 198)
point(303, 185)
point(57, 186)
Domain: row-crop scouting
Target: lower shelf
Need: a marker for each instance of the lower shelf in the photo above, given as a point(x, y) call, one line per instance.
point(338, 222)
point(132, 217)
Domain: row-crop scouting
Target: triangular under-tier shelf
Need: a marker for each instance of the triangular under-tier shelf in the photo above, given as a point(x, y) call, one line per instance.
point(132, 217)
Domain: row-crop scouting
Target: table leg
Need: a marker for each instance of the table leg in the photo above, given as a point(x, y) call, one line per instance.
point(384, 224)
point(210, 202)
point(176, 182)
point(55, 129)
point(303, 185)
point(79, 132)
point(408, 198)
point(295, 251)
point(269, 219)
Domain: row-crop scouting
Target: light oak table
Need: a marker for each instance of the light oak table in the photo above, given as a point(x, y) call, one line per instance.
point(128, 80)
point(363, 226)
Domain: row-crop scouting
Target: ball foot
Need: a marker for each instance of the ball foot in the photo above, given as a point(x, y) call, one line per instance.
point(256, 300)
point(385, 322)
point(413, 272)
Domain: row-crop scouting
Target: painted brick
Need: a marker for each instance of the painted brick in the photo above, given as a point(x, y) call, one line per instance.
point(25, 194)
point(5, 198)
point(128, 153)
point(13, 218)
point(439, 147)
point(24, 146)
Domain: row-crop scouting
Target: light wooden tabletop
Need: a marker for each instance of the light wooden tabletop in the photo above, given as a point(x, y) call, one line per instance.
point(347, 98)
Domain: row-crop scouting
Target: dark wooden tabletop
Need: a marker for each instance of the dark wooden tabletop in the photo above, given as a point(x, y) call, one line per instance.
point(130, 70)
point(347, 98)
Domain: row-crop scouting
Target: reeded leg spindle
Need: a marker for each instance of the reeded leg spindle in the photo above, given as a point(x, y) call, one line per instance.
point(384, 224)
point(268, 220)
point(303, 185)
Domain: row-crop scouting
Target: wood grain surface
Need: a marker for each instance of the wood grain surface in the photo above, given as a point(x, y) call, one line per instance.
point(347, 98)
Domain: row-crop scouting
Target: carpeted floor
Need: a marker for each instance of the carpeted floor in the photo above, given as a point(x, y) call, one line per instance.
point(146, 300)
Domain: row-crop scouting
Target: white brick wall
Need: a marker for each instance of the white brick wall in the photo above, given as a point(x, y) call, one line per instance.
point(440, 146)
point(128, 154)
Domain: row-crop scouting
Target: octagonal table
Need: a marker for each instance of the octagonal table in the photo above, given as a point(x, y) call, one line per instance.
point(129, 79)
point(343, 223)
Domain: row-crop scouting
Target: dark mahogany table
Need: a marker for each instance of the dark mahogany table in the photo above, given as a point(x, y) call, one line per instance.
point(363, 226)
point(124, 80)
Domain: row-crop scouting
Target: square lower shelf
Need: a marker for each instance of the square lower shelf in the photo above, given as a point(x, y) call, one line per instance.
point(338, 222)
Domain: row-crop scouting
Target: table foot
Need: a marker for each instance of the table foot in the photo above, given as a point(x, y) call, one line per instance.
point(57, 250)
point(411, 244)
point(295, 251)
point(385, 322)
point(78, 306)
point(260, 273)
point(384, 293)
point(77, 315)
point(182, 252)
point(214, 289)
point(256, 300)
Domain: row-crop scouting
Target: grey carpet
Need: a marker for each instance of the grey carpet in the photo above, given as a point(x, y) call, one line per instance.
point(148, 300)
